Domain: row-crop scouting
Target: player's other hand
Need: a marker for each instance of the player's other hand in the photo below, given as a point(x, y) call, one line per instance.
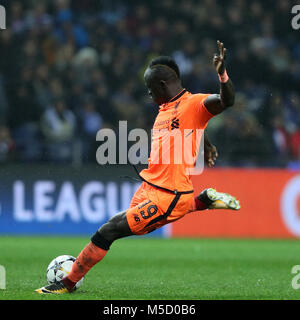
point(219, 59)
point(210, 155)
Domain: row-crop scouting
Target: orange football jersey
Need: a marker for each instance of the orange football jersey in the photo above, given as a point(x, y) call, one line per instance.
point(176, 137)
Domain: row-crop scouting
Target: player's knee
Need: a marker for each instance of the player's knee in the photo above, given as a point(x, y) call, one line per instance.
point(101, 241)
point(116, 228)
point(109, 230)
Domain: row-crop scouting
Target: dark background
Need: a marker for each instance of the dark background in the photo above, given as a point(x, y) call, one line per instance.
point(69, 68)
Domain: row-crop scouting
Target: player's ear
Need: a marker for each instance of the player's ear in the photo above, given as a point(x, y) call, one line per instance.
point(163, 84)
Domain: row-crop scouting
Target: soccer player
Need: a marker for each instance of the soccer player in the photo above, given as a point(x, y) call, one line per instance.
point(166, 193)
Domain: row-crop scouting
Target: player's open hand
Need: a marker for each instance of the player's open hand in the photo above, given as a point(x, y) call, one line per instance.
point(219, 59)
point(210, 155)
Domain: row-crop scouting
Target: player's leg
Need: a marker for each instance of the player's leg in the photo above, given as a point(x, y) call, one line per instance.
point(144, 217)
point(212, 199)
point(117, 227)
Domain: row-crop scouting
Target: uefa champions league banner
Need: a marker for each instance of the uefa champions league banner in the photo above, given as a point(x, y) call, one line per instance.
point(270, 205)
point(62, 200)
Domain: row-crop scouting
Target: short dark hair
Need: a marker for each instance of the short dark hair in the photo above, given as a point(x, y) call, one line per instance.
point(166, 61)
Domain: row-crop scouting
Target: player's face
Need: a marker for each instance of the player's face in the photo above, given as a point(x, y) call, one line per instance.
point(155, 88)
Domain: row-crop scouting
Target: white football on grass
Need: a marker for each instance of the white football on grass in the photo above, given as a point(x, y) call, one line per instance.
point(60, 267)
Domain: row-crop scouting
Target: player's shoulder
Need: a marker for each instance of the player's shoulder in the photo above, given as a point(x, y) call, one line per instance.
point(197, 97)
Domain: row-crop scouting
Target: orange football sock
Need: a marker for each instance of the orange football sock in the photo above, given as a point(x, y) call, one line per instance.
point(87, 258)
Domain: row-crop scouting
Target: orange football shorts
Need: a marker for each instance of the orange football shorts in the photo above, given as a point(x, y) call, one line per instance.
point(151, 208)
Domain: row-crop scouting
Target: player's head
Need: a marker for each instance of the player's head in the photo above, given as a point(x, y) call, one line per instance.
point(166, 61)
point(162, 79)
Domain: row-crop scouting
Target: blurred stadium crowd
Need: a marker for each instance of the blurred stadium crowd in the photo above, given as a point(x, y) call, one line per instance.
point(69, 68)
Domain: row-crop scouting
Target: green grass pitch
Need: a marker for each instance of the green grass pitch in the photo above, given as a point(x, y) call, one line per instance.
point(158, 269)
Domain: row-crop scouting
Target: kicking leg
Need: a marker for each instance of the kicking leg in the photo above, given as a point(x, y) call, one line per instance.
point(117, 227)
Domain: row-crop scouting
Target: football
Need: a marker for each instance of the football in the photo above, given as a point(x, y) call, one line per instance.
point(59, 267)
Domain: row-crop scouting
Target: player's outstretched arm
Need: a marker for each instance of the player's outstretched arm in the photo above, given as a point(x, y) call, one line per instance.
point(216, 103)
